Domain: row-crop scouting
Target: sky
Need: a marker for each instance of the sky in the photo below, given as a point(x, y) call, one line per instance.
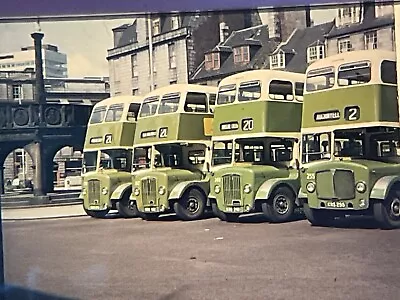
point(84, 42)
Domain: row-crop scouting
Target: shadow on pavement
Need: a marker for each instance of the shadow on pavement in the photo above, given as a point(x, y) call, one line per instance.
point(10, 292)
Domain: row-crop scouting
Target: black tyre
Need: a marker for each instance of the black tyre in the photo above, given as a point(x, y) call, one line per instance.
point(280, 206)
point(127, 208)
point(98, 214)
point(387, 213)
point(224, 216)
point(191, 206)
point(317, 217)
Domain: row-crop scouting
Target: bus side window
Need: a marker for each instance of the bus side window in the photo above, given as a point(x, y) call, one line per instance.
point(196, 102)
point(281, 90)
point(133, 111)
point(298, 90)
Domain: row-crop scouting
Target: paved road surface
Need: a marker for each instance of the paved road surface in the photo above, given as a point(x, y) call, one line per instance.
point(133, 259)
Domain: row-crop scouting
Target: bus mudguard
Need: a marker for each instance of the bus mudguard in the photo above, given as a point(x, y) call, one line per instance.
point(120, 190)
point(382, 187)
point(265, 190)
point(178, 191)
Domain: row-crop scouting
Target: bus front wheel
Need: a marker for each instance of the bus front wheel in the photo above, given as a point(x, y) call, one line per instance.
point(387, 213)
point(96, 214)
point(317, 217)
point(280, 207)
point(223, 216)
point(191, 206)
point(127, 208)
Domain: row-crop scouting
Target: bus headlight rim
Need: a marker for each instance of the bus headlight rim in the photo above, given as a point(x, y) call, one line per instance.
point(217, 189)
point(247, 188)
point(310, 187)
point(361, 187)
point(161, 190)
point(136, 191)
point(104, 191)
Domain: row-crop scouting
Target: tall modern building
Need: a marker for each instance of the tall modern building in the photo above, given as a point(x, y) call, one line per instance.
point(54, 62)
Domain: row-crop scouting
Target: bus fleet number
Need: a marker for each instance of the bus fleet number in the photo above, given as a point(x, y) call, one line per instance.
point(247, 124)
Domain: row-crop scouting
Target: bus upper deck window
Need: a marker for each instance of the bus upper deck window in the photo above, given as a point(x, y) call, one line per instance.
point(249, 91)
point(320, 79)
point(281, 90)
point(226, 94)
point(169, 103)
point(133, 111)
point(98, 115)
point(149, 106)
point(388, 72)
point(196, 102)
point(114, 112)
point(354, 73)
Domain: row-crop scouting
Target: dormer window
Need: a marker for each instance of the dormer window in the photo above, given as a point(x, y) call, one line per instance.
point(156, 27)
point(315, 52)
point(212, 61)
point(277, 61)
point(175, 22)
point(241, 54)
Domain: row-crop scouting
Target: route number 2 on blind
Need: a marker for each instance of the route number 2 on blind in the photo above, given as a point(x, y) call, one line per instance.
point(352, 113)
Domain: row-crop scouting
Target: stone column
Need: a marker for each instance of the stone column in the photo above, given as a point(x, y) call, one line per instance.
point(1, 177)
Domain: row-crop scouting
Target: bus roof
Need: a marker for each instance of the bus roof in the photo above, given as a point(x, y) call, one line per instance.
point(262, 75)
point(181, 87)
point(373, 55)
point(119, 99)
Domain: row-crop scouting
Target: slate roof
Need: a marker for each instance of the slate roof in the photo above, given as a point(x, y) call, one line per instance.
point(263, 46)
point(365, 25)
point(298, 43)
point(129, 34)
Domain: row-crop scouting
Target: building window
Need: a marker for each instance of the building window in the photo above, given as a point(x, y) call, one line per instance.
point(393, 39)
point(371, 40)
point(135, 92)
point(134, 66)
point(17, 92)
point(172, 56)
point(174, 22)
point(277, 61)
point(154, 62)
point(344, 45)
point(241, 54)
point(316, 52)
point(212, 61)
point(156, 27)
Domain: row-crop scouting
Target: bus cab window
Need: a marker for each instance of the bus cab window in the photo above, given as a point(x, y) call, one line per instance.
point(89, 161)
point(354, 73)
point(222, 153)
point(281, 152)
point(212, 99)
point(280, 90)
point(299, 90)
point(141, 158)
point(196, 157)
point(316, 146)
point(196, 102)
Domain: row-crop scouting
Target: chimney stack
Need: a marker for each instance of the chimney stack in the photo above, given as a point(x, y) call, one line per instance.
point(39, 96)
point(223, 32)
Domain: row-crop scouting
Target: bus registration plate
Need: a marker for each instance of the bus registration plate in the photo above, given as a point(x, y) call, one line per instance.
point(336, 204)
point(94, 207)
point(233, 209)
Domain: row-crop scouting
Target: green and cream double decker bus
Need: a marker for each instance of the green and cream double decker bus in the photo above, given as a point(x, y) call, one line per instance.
point(107, 156)
point(172, 151)
point(255, 150)
point(350, 138)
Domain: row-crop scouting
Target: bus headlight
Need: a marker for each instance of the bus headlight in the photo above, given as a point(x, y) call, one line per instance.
point(361, 187)
point(104, 191)
point(247, 188)
point(217, 189)
point(310, 187)
point(161, 190)
point(136, 192)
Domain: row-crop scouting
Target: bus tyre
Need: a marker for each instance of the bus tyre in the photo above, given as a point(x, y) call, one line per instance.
point(98, 214)
point(223, 216)
point(127, 208)
point(191, 206)
point(280, 206)
point(387, 213)
point(317, 217)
